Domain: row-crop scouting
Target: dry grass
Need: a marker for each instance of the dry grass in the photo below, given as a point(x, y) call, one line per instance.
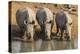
point(35, 6)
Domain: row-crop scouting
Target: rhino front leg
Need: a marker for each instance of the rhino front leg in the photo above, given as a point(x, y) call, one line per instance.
point(69, 32)
point(48, 31)
point(30, 30)
point(32, 34)
point(24, 36)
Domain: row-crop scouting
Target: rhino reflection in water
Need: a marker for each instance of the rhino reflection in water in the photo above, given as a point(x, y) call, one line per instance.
point(26, 21)
point(45, 19)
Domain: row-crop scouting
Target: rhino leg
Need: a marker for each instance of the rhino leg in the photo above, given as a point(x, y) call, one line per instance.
point(62, 32)
point(68, 32)
point(48, 31)
point(57, 31)
point(30, 32)
point(24, 36)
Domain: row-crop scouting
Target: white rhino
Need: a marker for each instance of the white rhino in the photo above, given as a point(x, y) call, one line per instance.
point(64, 23)
point(45, 19)
point(27, 22)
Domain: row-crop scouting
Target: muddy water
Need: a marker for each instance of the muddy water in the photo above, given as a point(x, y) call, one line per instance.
point(39, 45)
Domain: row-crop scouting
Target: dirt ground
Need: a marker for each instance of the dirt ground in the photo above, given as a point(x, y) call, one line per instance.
point(18, 5)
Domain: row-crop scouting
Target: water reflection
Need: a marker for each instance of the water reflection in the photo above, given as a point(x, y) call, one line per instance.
point(40, 45)
point(46, 45)
point(16, 46)
point(30, 47)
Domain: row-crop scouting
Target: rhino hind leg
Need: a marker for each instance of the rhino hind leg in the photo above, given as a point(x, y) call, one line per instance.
point(68, 38)
point(57, 31)
point(68, 35)
point(62, 32)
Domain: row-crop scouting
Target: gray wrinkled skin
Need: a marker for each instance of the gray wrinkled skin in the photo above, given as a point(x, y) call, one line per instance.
point(21, 15)
point(41, 15)
point(64, 23)
point(61, 19)
point(45, 19)
point(26, 20)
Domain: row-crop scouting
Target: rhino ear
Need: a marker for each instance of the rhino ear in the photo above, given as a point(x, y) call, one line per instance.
point(33, 22)
point(70, 23)
point(50, 21)
point(54, 13)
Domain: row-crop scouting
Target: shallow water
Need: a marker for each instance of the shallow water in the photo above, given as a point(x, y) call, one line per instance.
point(39, 45)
